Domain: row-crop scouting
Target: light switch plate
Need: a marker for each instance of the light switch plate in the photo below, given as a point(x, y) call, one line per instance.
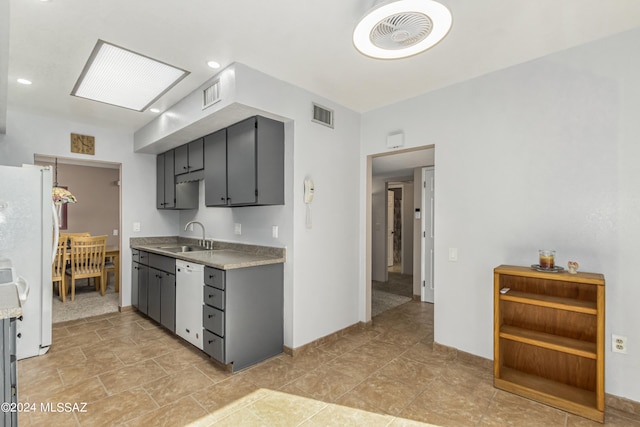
point(453, 254)
point(136, 226)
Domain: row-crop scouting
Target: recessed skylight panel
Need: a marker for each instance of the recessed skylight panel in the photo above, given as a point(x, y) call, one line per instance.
point(118, 76)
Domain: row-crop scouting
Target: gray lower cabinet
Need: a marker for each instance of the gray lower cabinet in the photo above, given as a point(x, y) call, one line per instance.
point(9, 371)
point(156, 287)
point(243, 314)
point(244, 164)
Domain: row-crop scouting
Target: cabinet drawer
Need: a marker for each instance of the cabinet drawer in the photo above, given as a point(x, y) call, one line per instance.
point(143, 257)
point(213, 345)
point(135, 253)
point(163, 263)
point(213, 319)
point(214, 277)
point(214, 297)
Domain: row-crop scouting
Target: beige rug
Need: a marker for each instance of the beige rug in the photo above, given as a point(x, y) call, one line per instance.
point(273, 408)
point(382, 301)
point(88, 302)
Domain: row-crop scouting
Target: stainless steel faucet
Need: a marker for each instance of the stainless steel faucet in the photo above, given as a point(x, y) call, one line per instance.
point(204, 241)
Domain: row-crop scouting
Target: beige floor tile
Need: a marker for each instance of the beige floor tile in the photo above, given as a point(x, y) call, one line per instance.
point(326, 383)
point(357, 365)
point(380, 350)
point(132, 376)
point(97, 365)
point(117, 409)
point(180, 383)
point(516, 410)
point(224, 392)
point(89, 390)
point(389, 369)
point(179, 413)
point(444, 405)
point(379, 394)
point(273, 373)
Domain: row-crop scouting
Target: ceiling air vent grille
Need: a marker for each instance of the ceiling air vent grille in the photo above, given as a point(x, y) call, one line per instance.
point(211, 95)
point(322, 115)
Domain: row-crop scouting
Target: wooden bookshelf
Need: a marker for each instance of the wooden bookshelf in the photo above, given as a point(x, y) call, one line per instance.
point(549, 338)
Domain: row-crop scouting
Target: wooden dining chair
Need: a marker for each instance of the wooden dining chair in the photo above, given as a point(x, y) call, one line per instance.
point(58, 268)
point(87, 261)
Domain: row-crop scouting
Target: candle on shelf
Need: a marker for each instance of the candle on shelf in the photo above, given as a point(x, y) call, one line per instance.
point(547, 259)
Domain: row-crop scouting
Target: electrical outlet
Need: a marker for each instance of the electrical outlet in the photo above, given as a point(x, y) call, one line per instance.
point(238, 229)
point(618, 344)
point(274, 231)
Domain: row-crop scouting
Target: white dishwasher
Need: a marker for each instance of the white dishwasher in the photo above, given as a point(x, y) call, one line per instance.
point(189, 301)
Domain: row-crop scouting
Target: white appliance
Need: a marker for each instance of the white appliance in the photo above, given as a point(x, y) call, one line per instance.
point(189, 301)
point(27, 234)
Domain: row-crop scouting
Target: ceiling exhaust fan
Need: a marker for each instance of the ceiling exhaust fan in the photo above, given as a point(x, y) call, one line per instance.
point(401, 28)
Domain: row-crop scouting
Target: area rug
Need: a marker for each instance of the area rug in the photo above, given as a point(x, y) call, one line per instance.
point(382, 301)
point(88, 302)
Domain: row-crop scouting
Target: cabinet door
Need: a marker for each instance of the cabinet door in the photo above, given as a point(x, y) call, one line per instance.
point(135, 279)
point(169, 180)
point(143, 288)
point(215, 173)
point(181, 160)
point(241, 163)
point(153, 294)
point(160, 181)
point(196, 155)
point(168, 301)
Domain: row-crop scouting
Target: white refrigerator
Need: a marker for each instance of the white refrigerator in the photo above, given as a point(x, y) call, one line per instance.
point(26, 242)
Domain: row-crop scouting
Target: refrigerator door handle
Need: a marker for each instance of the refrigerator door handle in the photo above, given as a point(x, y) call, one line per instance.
point(23, 289)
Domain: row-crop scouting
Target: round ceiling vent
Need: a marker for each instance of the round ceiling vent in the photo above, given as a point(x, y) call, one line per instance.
point(402, 28)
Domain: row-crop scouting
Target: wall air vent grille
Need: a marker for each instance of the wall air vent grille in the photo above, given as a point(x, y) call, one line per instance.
point(211, 95)
point(322, 115)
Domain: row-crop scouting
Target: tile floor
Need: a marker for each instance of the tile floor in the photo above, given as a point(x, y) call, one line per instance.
point(133, 373)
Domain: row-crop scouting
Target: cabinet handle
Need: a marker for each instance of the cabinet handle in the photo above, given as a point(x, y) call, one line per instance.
point(212, 315)
point(222, 198)
point(19, 335)
point(185, 167)
point(210, 341)
point(20, 318)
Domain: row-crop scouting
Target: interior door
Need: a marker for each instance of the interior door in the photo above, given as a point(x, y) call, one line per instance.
point(428, 186)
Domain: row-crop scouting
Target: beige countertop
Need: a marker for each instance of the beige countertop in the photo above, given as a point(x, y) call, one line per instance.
point(9, 302)
point(224, 255)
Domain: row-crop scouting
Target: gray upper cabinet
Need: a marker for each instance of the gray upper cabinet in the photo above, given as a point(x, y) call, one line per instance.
point(215, 173)
point(253, 167)
point(189, 157)
point(165, 181)
point(170, 195)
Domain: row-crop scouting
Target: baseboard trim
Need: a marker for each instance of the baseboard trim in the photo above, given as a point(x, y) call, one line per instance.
point(126, 309)
point(293, 352)
point(621, 404)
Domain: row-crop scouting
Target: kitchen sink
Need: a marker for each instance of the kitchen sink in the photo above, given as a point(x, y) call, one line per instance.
point(183, 248)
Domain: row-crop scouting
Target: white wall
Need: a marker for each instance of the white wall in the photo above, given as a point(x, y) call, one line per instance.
point(321, 272)
point(28, 134)
point(541, 155)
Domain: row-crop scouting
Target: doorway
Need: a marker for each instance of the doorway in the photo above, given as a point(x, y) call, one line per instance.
point(394, 245)
point(96, 186)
